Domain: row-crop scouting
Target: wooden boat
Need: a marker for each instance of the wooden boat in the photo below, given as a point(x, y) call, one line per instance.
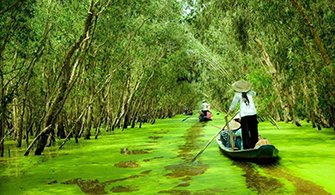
point(207, 117)
point(264, 153)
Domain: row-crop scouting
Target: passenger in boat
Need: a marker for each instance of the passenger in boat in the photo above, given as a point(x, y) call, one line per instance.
point(238, 139)
point(249, 123)
point(236, 133)
point(224, 137)
point(205, 107)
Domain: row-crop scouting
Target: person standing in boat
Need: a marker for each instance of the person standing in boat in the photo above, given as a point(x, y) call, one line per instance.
point(248, 113)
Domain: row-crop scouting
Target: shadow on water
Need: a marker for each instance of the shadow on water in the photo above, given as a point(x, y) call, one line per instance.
point(270, 181)
point(260, 177)
point(261, 183)
point(186, 170)
point(139, 151)
point(301, 185)
point(155, 138)
point(267, 176)
point(88, 186)
point(127, 164)
point(96, 187)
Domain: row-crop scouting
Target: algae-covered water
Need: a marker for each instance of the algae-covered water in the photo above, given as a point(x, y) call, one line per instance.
point(156, 159)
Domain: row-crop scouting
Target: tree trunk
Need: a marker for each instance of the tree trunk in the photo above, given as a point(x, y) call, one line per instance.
point(99, 119)
point(2, 108)
point(29, 130)
point(61, 129)
point(87, 131)
point(275, 75)
point(67, 77)
point(2, 130)
point(16, 123)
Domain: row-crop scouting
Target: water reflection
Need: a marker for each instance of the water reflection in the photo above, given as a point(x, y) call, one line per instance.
point(164, 165)
point(127, 164)
point(138, 151)
point(88, 186)
point(94, 186)
point(186, 170)
point(263, 184)
point(301, 185)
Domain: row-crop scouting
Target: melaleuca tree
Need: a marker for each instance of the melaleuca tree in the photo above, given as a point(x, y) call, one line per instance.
point(278, 40)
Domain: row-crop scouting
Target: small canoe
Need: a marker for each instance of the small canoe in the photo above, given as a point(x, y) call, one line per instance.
point(207, 117)
point(264, 153)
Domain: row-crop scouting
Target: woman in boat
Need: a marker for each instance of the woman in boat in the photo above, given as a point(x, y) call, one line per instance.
point(249, 123)
point(205, 107)
point(236, 135)
point(205, 113)
point(238, 138)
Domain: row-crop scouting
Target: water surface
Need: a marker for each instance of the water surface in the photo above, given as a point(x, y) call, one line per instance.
point(156, 159)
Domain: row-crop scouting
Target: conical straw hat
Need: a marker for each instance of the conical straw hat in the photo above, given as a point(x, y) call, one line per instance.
point(233, 125)
point(241, 86)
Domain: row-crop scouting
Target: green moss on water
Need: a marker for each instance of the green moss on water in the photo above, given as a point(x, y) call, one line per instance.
point(156, 160)
point(306, 153)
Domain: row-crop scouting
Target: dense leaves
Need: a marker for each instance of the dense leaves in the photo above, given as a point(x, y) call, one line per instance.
point(69, 68)
point(278, 47)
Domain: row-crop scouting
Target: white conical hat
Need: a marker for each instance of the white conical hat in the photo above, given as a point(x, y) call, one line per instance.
point(233, 125)
point(241, 86)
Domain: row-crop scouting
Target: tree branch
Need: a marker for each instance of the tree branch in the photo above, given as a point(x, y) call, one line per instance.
point(311, 27)
point(36, 138)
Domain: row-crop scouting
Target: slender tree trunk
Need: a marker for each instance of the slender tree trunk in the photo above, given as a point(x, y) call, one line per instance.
point(108, 122)
point(87, 132)
point(275, 75)
point(99, 120)
point(89, 115)
point(20, 125)
point(61, 125)
point(123, 105)
point(138, 105)
point(67, 80)
point(29, 130)
point(82, 126)
point(2, 108)
point(3, 104)
point(307, 99)
point(293, 113)
point(16, 123)
point(130, 101)
point(2, 127)
point(77, 129)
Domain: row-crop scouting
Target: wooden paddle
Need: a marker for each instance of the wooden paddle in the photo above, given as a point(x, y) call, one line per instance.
point(210, 141)
point(232, 143)
point(186, 118)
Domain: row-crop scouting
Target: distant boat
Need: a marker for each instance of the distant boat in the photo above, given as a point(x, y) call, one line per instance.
point(205, 117)
point(264, 153)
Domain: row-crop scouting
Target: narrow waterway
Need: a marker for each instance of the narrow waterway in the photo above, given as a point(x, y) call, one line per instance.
point(156, 159)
